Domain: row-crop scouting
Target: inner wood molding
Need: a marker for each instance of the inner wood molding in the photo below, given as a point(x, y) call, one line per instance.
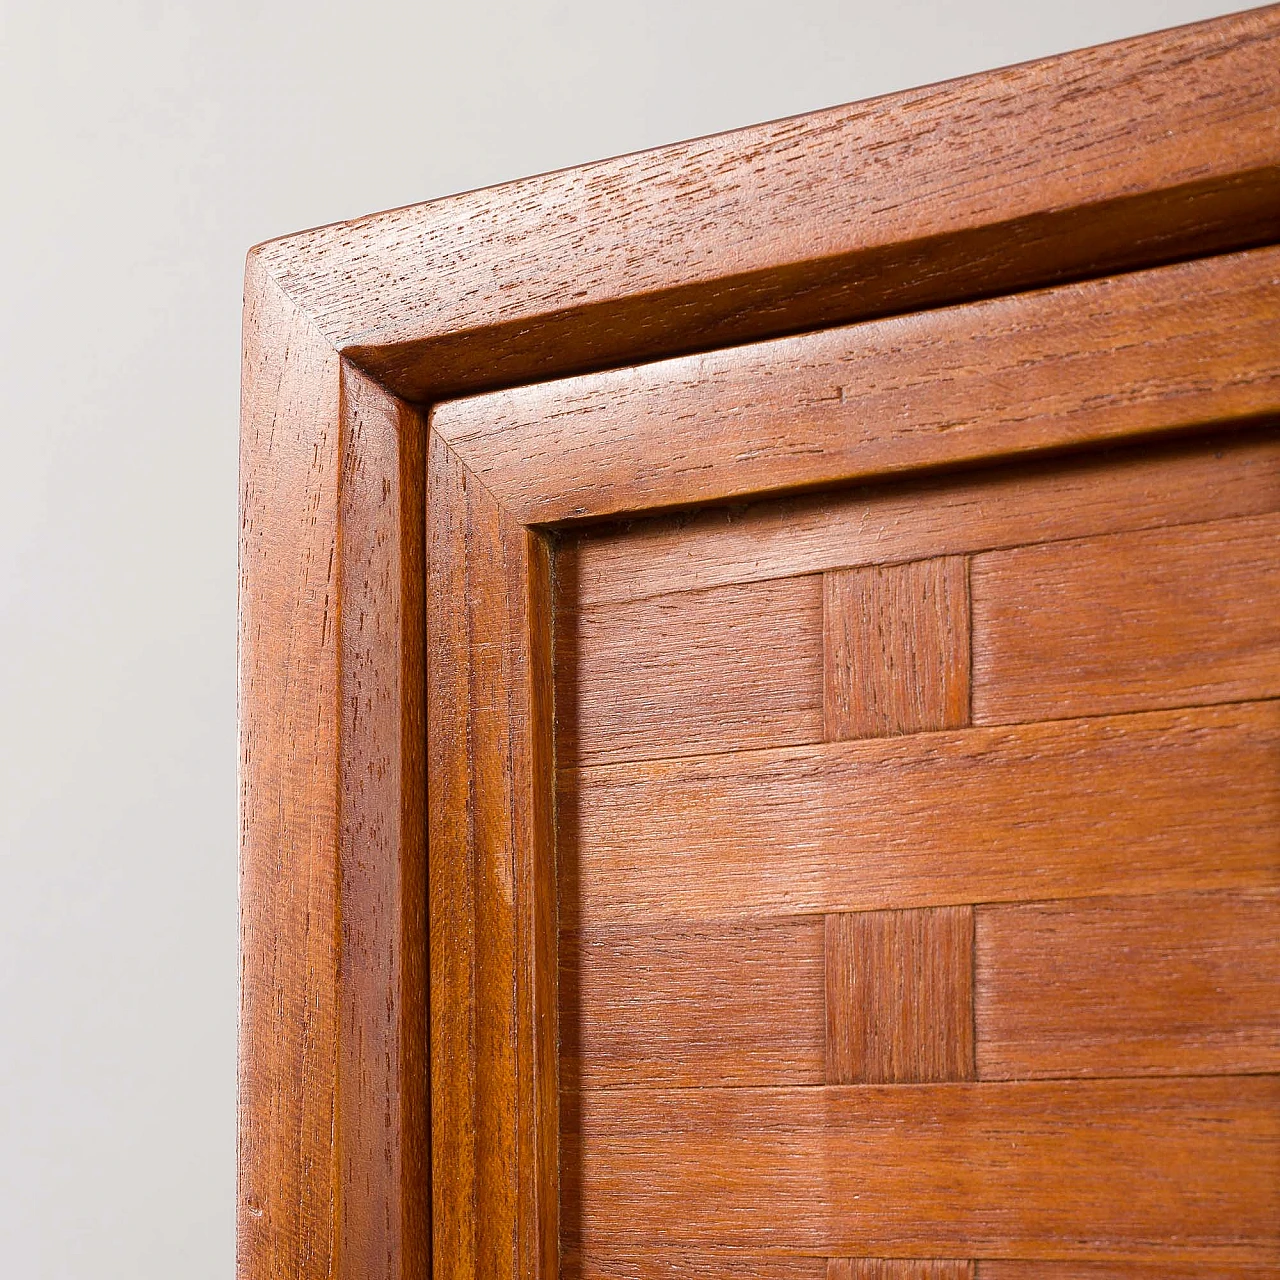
point(398, 1043)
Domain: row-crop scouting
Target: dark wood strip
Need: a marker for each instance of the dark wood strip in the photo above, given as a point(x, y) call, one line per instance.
point(1160, 618)
point(1151, 803)
point(896, 648)
point(899, 1269)
point(900, 996)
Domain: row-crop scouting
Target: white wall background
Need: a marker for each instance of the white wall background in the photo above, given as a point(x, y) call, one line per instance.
point(145, 147)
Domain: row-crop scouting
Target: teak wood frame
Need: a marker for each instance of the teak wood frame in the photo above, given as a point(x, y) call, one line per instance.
point(395, 583)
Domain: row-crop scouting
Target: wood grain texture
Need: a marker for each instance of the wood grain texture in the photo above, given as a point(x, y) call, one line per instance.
point(899, 1269)
point(1175, 984)
point(1134, 487)
point(1192, 1169)
point(1079, 364)
point(289, 691)
point(681, 674)
point(735, 1004)
point(690, 1264)
point(1012, 1269)
point(1136, 152)
point(896, 648)
point(1123, 805)
point(383, 1099)
point(1160, 618)
point(1126, 157)
point(900, 996)
point(333, 1084)
point(492, 890)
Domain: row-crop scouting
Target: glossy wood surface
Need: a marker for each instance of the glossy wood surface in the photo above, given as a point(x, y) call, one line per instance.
point(971, 928)
point(1147, 150)
point(678, 673)
point(718, 1004)
point(1161, 618)
point(1137, 487)
point(896, 648)
point(1148, 803)
point(288, 808)
point(332, 1089)
point(491, 885)
point(1083, 363)
point(898, 1269)
point(899, 987)
point(383, 1097)
point(1026, 1169)
point(1177, 984)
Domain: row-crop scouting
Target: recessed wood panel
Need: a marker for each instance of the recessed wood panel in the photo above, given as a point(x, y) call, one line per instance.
point(1093, 1169)
point(900, 996)
point(691, 672)
point(1120, 986)
point(733, 1004)
point(1160, 618)
point(1167, 800)
point(896, 649)
point(1228, 474)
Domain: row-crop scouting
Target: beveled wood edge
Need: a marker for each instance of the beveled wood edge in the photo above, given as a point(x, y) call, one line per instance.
point(903, 202)
point(332, 1169)
point(492, 894)
point(596, 446)
point(333, 943)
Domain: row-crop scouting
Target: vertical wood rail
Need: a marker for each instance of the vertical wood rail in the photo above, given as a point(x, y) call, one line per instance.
point(492, 884)
point(333, 1079)
point(896, 648)
point(289, 767)
point(899, 984)
point(900, 996)
point(383, 1096)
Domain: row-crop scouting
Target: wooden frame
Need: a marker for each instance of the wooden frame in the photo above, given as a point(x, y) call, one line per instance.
point(364, 570)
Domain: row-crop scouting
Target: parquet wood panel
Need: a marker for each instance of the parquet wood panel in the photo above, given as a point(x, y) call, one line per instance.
point(652, 1263)
point(715, 1005)
point(899, 1269)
